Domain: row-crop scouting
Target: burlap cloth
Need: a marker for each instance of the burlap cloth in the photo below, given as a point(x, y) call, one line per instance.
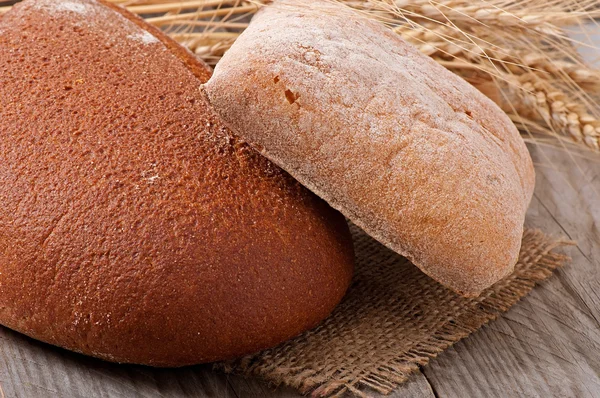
point(393, 319)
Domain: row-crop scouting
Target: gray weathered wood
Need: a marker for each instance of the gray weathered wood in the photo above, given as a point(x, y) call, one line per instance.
point(32, 369)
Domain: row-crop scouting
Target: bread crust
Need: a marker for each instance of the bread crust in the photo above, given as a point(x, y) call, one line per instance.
point(407, 150)
point(134, 226)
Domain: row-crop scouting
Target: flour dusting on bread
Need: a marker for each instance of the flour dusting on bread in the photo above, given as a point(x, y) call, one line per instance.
point(64, 6)
point(73, 7)
point(144, 38)
point(410, 152)
point(96, 15)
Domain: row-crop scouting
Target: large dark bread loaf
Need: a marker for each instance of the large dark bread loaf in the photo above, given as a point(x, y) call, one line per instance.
point(133, 226)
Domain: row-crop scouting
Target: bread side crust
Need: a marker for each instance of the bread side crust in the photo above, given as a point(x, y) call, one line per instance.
point(411, 153)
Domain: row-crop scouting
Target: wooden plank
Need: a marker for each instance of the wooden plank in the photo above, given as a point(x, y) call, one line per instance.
point(549, 344)
point(32, 369)
point(416, 387)
point(29, 368)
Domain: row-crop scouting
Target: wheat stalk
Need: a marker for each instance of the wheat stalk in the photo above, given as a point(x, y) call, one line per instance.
point(444, 44)
point(528, 89)
point(498, 14)
point(515, 51)
point(536, 75)
point(542, 102)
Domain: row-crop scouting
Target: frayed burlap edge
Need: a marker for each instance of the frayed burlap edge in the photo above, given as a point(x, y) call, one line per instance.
point(312, 362)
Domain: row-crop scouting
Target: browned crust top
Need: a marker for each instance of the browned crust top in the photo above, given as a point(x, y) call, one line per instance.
point(134, 226)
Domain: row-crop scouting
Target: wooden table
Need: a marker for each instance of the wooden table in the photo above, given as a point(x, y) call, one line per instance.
point(548, 345)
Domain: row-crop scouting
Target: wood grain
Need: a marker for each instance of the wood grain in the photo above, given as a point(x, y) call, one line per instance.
point(29, 368)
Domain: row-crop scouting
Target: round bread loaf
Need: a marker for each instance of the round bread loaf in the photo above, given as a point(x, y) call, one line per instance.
point(407, 150)
point(134, 227)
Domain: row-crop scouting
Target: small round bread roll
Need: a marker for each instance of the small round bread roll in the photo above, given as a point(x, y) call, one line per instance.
point(407, 150)
point(134, 227)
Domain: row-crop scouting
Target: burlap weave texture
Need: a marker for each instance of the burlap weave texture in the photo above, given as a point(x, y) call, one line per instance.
point(393, 319)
